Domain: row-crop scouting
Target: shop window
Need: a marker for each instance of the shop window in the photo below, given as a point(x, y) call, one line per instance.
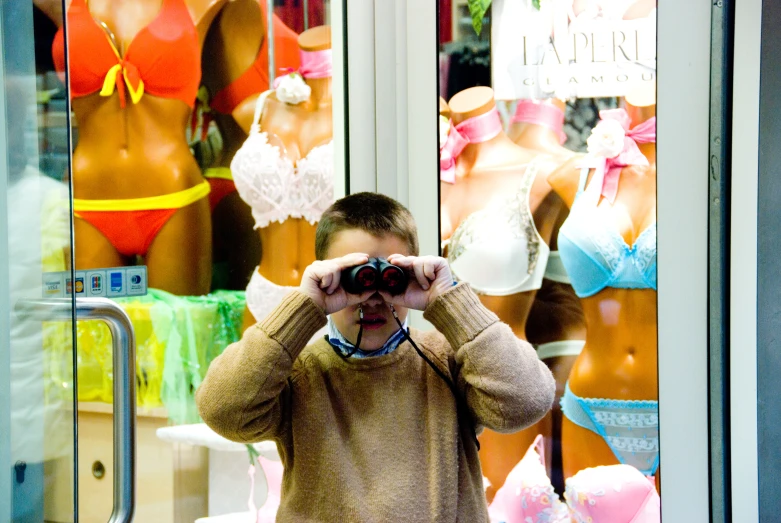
point(548, 209)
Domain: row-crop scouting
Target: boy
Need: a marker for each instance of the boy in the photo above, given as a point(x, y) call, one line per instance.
point(377, 436)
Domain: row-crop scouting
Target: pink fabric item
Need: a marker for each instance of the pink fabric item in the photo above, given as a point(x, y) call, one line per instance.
point(608, 170)
point(273, 471)
point(550, 116)
point(527, 494)
point(615, 494)
point(314, 64)
point(474, 130)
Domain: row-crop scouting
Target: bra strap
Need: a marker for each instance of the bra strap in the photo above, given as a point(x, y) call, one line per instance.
point(583, 178)
point(259, 104)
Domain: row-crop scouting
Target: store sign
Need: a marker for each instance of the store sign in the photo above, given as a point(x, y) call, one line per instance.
point(538, 54)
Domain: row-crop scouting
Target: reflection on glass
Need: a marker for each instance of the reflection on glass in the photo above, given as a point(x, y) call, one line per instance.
point(166, 97)
point(41, 354)
point(547, 201)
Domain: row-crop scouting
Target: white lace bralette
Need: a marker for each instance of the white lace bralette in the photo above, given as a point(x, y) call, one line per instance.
point(273, 186)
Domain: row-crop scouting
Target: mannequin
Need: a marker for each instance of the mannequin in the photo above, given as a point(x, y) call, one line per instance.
point(485, 173)
point(132, 141)
point(537, 125)
point(619, 360)
point(297, 129)
point(556, 325)
point(235, 70)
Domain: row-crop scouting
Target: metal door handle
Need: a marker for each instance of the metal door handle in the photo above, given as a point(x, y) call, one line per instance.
point(124, 356)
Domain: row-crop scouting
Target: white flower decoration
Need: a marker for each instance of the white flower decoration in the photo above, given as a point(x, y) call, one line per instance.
point(444, 129)
point(292, 89)
point(607, 139)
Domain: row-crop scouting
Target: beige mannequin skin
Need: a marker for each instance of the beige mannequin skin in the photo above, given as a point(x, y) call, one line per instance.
point(230, 48)
point(619, 360)
point(297, 129)
point(556, 314)
point(141, 151)
point(538, 137)
point(485, 171)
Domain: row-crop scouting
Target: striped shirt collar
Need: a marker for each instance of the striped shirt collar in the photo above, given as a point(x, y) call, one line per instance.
point(341, 344)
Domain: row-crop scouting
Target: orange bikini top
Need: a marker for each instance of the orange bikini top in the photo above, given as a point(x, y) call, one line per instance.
point(255, 79)
point(164, 58)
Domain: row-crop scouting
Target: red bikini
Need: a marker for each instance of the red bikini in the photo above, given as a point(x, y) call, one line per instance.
point(164, 58)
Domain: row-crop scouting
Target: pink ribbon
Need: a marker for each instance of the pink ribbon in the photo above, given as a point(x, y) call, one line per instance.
point(473, 130)
point(314, 64)
point(550, 116)
point(608, 170)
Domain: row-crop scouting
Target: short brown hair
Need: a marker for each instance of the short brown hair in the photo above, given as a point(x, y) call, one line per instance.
point(371, 212)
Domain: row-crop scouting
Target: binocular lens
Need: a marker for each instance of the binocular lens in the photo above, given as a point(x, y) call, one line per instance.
point(366, 277)
point(392, 278)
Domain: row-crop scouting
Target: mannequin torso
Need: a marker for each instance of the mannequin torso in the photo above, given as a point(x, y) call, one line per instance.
point(296, 129)
point(619, 360)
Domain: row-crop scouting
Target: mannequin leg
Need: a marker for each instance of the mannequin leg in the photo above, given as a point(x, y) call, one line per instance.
point(92, 249)
point(179, 259)
point(581, 448)
point(500, 453)
point(550, 426)
point(235, 241)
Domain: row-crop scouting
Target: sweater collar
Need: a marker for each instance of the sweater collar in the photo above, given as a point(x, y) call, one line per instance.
point(340, 343)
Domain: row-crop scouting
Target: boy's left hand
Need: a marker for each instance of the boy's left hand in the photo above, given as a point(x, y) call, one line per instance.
point(429, 277)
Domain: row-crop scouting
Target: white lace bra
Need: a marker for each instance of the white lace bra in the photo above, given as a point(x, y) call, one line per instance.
point(276, 189)
point(498, 250)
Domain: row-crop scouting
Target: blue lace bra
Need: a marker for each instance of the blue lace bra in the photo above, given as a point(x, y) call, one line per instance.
point(596, 255)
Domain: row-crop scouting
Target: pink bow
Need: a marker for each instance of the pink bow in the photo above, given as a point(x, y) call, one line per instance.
point(608, 170)
point(314, 64)
point(453, 146)
point(477, 129)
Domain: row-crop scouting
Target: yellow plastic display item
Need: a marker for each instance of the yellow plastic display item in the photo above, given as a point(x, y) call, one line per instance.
point(176, 339)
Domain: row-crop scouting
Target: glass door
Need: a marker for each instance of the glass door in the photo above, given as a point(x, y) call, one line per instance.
point(191, 122)
point(37, 382)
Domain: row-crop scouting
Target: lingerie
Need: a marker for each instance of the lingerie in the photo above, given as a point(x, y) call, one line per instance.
point(221, 181)
point(163, 59)
point(558, 349)
point(555, 270)
point(263, 296)
point(498, 250)
point(629, 427)
point(605, 494)
point(275, 188)
point(132, 224)
point(593, 251)
point(255, 79)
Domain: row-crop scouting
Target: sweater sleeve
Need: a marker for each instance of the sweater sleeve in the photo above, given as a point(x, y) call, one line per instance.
point(244, 396)
point(507, 388)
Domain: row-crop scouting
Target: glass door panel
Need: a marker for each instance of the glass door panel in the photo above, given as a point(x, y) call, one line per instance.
point(37, 365)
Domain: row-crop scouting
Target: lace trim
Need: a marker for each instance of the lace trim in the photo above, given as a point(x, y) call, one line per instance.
point(514, 211)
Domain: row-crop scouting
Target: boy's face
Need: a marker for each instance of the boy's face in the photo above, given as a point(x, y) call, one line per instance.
point(379, 324)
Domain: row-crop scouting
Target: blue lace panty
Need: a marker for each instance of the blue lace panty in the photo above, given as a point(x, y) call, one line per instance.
point(629, 427)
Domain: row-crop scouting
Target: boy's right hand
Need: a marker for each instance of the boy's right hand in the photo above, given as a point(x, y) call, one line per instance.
point(321, 282)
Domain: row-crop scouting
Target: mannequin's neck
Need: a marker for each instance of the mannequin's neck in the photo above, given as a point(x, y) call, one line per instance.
point(484, 153)
point(539, 134)
point(321, 91)
point(649, 151)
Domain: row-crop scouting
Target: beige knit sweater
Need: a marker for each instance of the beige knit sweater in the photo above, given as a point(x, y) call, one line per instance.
point(376, 440)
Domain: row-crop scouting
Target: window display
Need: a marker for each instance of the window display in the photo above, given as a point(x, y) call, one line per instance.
point(194, 125)
point(560, 242)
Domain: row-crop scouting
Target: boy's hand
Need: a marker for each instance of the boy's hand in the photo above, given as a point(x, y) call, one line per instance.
point(321, 283)
point(429, 277)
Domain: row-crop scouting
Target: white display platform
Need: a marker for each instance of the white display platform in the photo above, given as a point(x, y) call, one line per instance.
point(229, 482)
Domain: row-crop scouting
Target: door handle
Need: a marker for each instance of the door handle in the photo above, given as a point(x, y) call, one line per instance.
point(124, 356)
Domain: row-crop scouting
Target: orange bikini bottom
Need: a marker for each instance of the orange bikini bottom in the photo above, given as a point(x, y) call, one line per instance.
point(221, 181)
point(132, 224)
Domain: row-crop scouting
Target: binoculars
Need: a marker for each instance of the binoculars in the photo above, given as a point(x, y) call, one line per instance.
point(375, 275)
